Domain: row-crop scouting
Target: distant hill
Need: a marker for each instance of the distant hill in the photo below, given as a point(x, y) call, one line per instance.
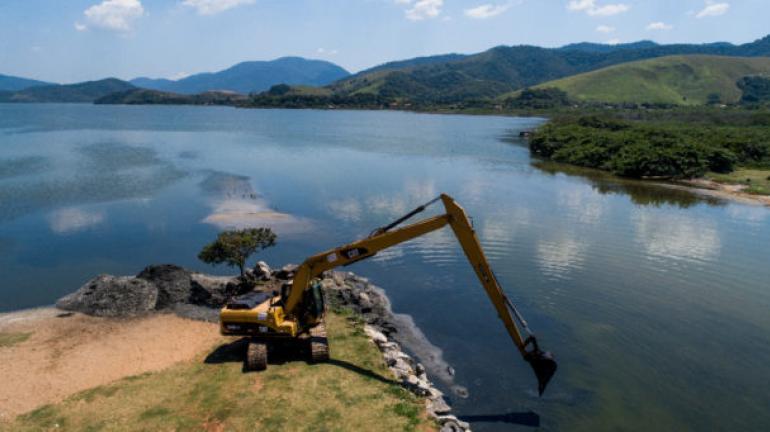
point(503, 69)
point(137, 96)
point(12, 83)
point(255, 76)
point(85, 92)
point(677, 80)
point(604, 48)
point(152, 83)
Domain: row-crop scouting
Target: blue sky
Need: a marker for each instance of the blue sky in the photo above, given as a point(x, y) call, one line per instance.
point(76, 40)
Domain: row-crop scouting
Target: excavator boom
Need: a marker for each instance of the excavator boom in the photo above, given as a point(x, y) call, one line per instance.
point(542, 363)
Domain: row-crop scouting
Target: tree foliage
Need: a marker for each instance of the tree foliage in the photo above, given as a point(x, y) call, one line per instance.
point(545, 98)
point(234, 247)
point(651, 148)
point(756, 90)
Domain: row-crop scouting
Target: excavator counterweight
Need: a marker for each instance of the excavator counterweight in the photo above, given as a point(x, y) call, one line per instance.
point(298, 312)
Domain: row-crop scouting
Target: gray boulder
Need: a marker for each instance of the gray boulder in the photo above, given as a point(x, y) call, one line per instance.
point(214, 291)
point(286, 272)
point(262, 271)
point(112, 296)
point(174, 283)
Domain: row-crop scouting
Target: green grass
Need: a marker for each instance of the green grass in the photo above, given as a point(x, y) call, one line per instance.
point(756, 181)
point(11, 339)
point(677, 80)
point(353, 392)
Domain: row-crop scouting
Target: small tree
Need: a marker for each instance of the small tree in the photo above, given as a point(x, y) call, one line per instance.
point(234, 247)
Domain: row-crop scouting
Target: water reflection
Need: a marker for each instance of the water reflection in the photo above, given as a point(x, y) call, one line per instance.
point(72, 219)
point(669, 234)
point(640, 193)
point(22, 166)
point(748, 213)
point(392, 206)
point(93, 173)
point(558, 257)
point(346, 210)
point(583, 203)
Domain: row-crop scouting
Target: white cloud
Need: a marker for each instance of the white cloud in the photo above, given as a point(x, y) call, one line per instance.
point(80, 27)
point(591, 8)
point(659, 26)
point(179, 75)
point(486, 11)
point(605, 29)
point(211, 7)
point(116, 15)
point(422, 9)
point(713, 9)
point(613, 41)
point(324, 51)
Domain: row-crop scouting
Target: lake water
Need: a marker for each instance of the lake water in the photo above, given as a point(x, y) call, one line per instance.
point(656, 302)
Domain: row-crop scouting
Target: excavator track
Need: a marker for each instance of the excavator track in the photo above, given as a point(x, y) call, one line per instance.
point(319, 344)
point(256, 356)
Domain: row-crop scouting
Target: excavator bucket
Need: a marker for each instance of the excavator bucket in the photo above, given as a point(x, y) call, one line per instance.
point(544, 366)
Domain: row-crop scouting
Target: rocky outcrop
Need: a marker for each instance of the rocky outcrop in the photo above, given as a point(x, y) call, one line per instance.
point(156, 288)
point(112, 296)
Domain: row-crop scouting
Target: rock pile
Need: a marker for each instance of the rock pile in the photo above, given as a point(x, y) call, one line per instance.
point(156, 288)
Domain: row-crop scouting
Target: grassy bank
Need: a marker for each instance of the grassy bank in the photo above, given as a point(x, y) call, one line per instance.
point(353, 392)
point(755, 182)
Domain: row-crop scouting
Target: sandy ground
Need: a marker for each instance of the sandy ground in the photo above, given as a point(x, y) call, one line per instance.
point(726, 191)
point(69, 353)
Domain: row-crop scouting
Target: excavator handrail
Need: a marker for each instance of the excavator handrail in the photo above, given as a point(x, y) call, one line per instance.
point(382, 238)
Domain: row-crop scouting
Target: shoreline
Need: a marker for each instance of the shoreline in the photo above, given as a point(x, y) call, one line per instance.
point(70, 352)
point(722, 190)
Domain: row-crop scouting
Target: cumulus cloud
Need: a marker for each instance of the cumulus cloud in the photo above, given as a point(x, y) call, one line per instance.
point(211, 7)
point(613, 41)
point(605, 29)
point(419, 10)
point(115, 15)
point(326, 51)
point(713, 9)
point(591, 8)
point(659, 26)
point(486, 11)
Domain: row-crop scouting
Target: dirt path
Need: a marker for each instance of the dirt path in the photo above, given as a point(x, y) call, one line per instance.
point(65, 354)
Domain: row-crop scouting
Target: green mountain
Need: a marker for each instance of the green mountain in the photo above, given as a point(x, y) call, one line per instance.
point(255, 76)
point(11, 83)
point(85, 92)
point(675, 80)
point(503, 69)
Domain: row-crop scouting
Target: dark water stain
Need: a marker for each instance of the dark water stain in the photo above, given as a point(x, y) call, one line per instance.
point(22, 166)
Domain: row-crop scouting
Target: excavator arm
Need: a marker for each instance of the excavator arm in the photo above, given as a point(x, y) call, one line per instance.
point(542, 363)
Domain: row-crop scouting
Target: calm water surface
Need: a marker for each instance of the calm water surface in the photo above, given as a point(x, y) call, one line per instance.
point(656, 302)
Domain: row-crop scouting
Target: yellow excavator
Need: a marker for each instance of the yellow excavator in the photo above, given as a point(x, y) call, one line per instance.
point(297, 313)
